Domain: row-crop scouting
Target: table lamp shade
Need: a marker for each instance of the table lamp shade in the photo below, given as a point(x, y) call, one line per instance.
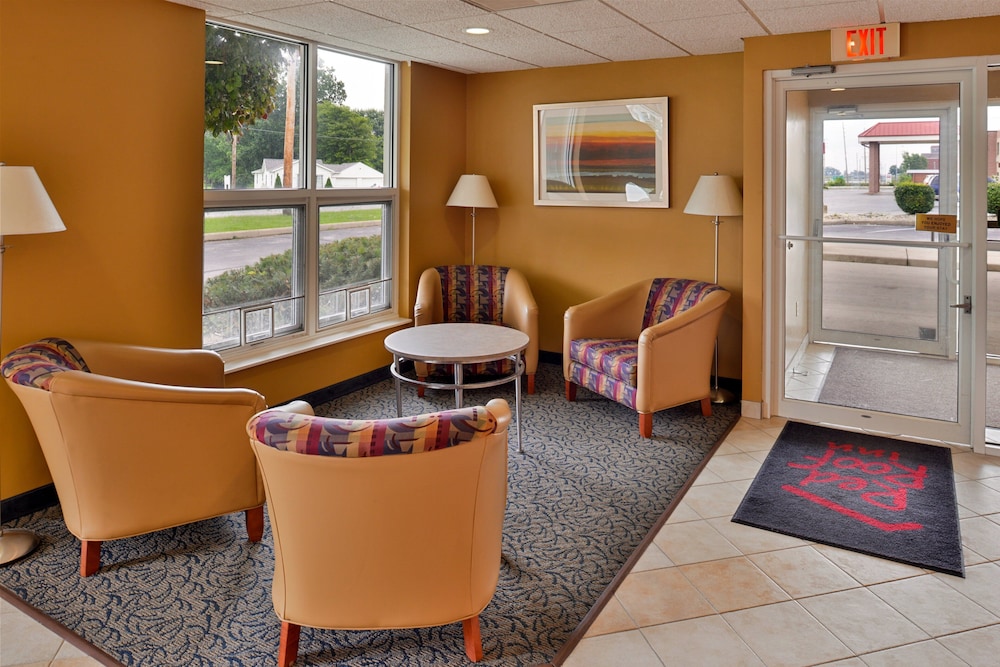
point(715, 195)
point(25, 207)
point(473, 191)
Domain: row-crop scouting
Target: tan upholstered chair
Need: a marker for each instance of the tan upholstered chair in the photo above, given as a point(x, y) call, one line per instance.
point(649, 345)
point(378, 524)
point(482, 294)
point(137, 439)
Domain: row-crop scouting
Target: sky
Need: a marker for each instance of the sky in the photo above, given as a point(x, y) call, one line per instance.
point(364, 80)
point(892, 154)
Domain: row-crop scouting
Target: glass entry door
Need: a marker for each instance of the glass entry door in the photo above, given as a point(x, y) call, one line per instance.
point(877, 314)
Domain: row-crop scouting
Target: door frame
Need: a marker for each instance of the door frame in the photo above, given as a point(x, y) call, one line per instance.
point(970, 73)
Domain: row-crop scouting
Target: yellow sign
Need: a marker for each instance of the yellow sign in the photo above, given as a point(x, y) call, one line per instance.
point(866, 42)
point(947, 224)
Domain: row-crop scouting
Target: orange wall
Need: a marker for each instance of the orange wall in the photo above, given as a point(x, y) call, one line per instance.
point(109, 110)
point(938, 39)
point(104, 99)
point(571, 254)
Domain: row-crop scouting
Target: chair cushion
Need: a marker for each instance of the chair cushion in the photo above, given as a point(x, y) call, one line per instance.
point(353, 438)
point(36, 364)
point(615, 357)
point(669, 296)
point(472, 293)
point(617, 390)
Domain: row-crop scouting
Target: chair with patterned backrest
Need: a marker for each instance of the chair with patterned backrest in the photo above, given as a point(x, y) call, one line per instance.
point(137, 439)
point(649, 346)
point(383, 523)
point(482, 294)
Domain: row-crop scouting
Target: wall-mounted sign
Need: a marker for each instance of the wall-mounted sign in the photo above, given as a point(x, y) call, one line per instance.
point(866, 42)
point(947, 224)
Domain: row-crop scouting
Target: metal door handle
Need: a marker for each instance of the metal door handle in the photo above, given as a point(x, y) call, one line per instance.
point(966, 305)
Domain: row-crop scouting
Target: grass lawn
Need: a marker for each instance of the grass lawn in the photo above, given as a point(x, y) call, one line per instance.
point(240, 223)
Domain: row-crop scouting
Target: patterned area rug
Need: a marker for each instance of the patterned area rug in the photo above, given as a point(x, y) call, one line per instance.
point(580, 501)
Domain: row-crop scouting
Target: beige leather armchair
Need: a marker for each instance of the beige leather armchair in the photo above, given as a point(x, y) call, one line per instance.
point(483, 294)
point(649, 345)
point(378, 524)
point(137, 439)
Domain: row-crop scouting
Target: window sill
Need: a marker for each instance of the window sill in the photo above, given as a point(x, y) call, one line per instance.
point(240, 360)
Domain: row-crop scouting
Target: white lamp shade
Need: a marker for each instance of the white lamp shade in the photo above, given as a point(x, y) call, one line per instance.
point(715, 195)
point(473, 191)
point(25, 207)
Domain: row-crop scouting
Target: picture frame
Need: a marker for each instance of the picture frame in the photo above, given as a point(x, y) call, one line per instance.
point(603, 153)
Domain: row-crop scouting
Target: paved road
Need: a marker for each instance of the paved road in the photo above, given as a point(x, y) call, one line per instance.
point(233, 253)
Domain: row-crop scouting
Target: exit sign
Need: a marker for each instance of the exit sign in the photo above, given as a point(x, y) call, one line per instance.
point(866, 42)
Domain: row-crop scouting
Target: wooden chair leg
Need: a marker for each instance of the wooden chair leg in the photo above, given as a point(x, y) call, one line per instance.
point(531, 383)
point(90, 557)
point(255, 523)
point(646, 424)
point(706, 407)
point(288, 647)
point(473, 640)
point(420, 387)
point(570, 391)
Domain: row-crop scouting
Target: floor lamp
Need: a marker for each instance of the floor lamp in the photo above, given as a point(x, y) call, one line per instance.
point(472, 191)
point(25, 208)
point(716, 195)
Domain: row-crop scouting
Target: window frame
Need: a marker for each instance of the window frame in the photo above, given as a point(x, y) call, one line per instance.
point(311, 199)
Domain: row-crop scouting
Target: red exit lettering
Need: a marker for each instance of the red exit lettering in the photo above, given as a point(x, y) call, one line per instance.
point(866, 42)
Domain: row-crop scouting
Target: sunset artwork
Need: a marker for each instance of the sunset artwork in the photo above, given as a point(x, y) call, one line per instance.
point(600, 151)
point(603, 153)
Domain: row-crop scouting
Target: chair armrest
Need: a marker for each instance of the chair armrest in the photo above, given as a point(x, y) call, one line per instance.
point(183, 367)
point(428, 308)
point(675, 356)
point(520, 311)
point(500, 410)
point(617, 314)
point(80, 384)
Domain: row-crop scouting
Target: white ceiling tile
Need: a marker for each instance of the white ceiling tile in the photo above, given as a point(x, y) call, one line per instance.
point(409, 12)
point(726, 35)
point(530, 33)
point(647, 12)
point(556, 19)
point(623, 43)
point(818, 16)
point(327, 18)
point(513, 40)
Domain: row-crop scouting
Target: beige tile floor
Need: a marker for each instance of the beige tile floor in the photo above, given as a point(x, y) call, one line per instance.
point(709, 592)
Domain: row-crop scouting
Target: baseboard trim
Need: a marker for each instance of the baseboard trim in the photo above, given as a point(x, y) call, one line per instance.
point(28, 502)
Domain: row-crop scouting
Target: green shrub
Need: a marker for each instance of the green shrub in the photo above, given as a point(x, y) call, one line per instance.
point(993, 198)
point(341, 263)
point(837, 180)
point(915, 197)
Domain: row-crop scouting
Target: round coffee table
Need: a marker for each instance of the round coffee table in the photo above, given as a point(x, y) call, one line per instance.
point(458, 343)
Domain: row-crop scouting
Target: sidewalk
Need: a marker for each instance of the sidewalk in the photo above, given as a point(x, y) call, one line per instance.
point(893, 255)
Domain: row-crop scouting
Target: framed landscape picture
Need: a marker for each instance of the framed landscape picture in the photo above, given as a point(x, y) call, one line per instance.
point(609, 153)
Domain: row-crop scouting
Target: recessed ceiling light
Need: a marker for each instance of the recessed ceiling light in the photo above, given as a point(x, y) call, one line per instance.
point(477, 31)
point(837, 90)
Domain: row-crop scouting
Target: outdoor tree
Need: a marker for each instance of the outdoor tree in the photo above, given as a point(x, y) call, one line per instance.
point(912, 161)
point(241, 89)
point(329, 88)
point(343, 136)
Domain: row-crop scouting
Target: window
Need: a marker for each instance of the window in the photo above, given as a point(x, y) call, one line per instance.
point(300, 198)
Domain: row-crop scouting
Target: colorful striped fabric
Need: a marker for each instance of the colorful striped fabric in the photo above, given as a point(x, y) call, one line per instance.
point(353, 438)
point(36, 364)
point(473, 293)
point(669, 296)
